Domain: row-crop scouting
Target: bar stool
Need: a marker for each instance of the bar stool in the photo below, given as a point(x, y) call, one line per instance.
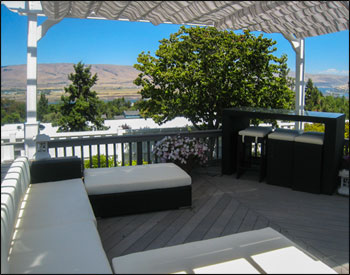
point(280, 154)
point(308, 156)
point(252, 136)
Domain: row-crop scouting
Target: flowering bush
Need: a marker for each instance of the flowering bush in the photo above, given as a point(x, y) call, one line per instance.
point(181, 150)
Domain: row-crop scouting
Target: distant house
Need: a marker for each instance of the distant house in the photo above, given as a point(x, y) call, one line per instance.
point(132, 114)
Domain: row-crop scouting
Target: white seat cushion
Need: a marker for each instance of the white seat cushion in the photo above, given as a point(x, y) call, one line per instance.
point(311, 137)
point(55, 203)
point(284, 134)
point(134, 178)
point(67, 248)
point(228, 254)
point(255, 131)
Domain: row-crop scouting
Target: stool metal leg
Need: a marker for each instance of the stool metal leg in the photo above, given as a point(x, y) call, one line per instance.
point(239, 157)
point(262, 160)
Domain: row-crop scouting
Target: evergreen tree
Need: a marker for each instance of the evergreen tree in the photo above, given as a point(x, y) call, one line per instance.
point(81, 108)
point(43, 107)
point(313, 97)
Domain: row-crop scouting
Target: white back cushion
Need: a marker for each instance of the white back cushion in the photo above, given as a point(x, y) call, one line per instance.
point(13, 189)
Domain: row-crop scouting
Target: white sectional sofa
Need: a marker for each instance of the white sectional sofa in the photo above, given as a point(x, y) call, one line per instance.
point(48, 227)
point(48, 224)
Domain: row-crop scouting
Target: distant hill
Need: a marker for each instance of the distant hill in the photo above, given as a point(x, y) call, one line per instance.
point(113, 80)
point(326, 80)
point(56, 76)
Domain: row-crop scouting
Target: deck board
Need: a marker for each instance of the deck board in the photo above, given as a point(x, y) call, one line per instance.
point(223, 205)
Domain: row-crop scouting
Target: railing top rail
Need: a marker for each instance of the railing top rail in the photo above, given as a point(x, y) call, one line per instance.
point(12, 143)
point(130, 138)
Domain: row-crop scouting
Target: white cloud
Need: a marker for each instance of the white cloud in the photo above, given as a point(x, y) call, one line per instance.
point(334, 71)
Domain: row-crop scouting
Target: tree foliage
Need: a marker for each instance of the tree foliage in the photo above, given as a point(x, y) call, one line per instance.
point(12, 111)
point(81, 109)
point(315, 101)
point(115, 107)
point(43, 107)
point(312, 96)
point(198, 72)
point(319, 127)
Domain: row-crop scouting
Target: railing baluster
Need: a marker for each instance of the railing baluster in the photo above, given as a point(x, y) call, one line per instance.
point(82, 155)
point(98, 156)
point(139, 153)
point(106, 155)
point(149, 152)
point(90, 155)
point(64, 151)
point(155, 156)
point(123, 157)
point(56, 153)
point(115, 155)
point(130, 153)
point(73, 151)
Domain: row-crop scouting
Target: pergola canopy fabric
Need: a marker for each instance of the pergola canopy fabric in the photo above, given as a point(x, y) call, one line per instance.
point(299, 18)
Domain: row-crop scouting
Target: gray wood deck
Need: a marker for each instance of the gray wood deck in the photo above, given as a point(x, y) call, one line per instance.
point(223, 205)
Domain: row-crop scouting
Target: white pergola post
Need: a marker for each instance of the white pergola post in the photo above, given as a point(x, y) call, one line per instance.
point(298, 45)
point(31, 127)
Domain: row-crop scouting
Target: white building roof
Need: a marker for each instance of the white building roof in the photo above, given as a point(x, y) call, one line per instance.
point(115, 127)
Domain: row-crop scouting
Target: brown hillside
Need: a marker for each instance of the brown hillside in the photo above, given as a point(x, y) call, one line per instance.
point(56, 76)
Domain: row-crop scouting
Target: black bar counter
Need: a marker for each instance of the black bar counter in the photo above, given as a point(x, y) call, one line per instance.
point(236, 119)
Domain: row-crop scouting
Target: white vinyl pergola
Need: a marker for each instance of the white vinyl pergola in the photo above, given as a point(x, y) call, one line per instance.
point(295, 20)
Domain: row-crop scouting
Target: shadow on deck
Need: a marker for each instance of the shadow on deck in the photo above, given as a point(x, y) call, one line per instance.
point(223, 205)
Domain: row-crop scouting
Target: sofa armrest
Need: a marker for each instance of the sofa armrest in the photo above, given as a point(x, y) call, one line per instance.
point(56, 169)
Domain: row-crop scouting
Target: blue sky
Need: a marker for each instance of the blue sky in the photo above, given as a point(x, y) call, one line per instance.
point(119, 43)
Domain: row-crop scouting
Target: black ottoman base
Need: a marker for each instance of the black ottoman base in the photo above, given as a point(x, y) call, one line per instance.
point(109, 205)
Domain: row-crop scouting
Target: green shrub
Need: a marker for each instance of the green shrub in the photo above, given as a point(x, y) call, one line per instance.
point(103, 162)
point(133, 163)
point(314, 127)
point(319, 127)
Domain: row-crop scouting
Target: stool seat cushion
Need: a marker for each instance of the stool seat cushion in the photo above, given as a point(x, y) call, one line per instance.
point(134, 178)
point(311, 137)
point(284, 134)
point(255, 131)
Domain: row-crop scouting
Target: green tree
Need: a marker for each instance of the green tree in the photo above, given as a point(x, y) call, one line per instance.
point(199, 71)
point(313, 97)
point(43, 107)
point(335, 105)
point(12, 111)
point(82, 105)
point(54, 114)
point(115, 107)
